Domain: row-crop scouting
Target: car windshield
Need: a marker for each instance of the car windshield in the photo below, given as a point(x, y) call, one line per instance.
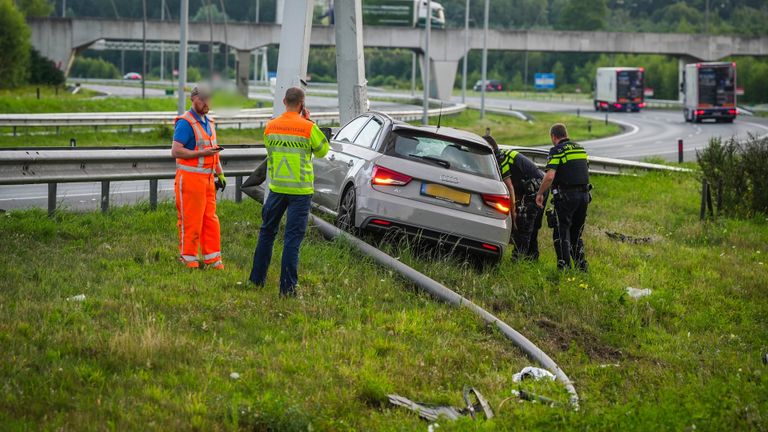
point(452, 155)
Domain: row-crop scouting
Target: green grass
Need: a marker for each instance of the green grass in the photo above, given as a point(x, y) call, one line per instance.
point(529, 95)
point(24, 100)
point(153, 345)
point(510, 130)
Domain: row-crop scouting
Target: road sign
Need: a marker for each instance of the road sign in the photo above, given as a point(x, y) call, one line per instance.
point(544, 81)
point(648, 92)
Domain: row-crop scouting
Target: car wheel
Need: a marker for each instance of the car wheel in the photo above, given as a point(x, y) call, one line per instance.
point(345, 220)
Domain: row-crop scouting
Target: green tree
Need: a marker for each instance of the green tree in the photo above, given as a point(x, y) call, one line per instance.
point(35, 8)
point(584, 15)
point(202, 14)
point(14, 45)
point(43, 70)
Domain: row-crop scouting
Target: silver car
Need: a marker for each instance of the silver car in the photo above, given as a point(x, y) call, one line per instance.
point(440, 184)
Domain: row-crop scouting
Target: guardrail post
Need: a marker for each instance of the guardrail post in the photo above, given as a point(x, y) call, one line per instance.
point(578, 112)
point(606, 117)
point(104, 196)
point(589, 126)
point(58, 130)
point(38, 93)
point(130, 128)
point(73, 142)
point(679, 150)
point(51, 198)
point(153, 194)
point(238, 189)
point(14, 131)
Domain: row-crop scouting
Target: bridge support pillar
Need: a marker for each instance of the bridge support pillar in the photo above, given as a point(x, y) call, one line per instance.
point(294, 48)
point(442, 74)
point(242, 71)
point(350, 61)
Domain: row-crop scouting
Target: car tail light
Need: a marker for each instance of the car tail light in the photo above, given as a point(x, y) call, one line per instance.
point(732, 112)
point(386, 177)
point(498, 87)
point(699, 112)
point(642, 105)
point(618, 105)
point(500, 203)
point(381, 222)
point(490, 247)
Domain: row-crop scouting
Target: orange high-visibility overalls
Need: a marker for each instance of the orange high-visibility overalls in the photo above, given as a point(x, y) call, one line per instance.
point(196, 200)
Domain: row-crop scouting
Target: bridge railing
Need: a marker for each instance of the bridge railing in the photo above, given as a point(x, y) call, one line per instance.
point(106, 165)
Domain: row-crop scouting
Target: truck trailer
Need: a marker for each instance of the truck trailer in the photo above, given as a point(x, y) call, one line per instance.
point(619, 89)
point(709, 92)
point(406, 13)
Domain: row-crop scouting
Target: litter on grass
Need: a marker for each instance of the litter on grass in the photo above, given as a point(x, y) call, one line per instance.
point(628, 239)
point(234, 376)
point(636, 293)
point(534, 373)
point(77, 298)
point(433, 412)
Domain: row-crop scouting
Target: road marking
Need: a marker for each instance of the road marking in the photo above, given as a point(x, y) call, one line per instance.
point(634, 129)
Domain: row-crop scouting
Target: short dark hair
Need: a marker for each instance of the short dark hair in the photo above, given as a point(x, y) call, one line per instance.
point(490, 140)
point(294, 96)
point(559, 131)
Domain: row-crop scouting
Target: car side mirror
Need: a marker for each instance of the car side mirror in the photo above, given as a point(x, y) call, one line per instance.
point(327, 132)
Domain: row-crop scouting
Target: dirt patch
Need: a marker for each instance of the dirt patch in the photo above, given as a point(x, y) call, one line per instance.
point(564, 335)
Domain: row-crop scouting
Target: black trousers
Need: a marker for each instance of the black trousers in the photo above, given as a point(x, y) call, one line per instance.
point(526, 236)
point(570, 216)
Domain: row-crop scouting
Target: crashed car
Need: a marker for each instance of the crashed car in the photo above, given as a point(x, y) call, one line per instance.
point(437, 184)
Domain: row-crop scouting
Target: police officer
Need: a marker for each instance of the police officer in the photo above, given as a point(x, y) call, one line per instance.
point(525, 179)
point(568, 175)
point(291, 141)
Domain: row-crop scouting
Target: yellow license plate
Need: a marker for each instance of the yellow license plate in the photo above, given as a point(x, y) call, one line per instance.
point(445, 193)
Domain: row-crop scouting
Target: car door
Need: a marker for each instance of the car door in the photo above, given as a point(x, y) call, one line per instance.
point(334, 165)
point(361, 150)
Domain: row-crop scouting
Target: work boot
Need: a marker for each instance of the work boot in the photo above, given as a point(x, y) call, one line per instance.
point(189, 264)
point(219, 266)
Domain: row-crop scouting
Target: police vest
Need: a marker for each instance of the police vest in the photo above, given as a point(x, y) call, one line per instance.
point(289, 153)
point(202, 164)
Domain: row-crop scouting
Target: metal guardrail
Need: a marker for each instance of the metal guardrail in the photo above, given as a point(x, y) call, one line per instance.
point(253, 116)
point(105, 165)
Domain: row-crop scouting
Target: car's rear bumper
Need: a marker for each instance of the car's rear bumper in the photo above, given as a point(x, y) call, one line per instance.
point(432, 222)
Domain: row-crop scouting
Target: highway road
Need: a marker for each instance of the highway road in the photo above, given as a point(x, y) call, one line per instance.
point(649, 133)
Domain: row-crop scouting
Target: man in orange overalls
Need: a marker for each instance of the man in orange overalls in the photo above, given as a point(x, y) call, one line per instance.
point(197, 166)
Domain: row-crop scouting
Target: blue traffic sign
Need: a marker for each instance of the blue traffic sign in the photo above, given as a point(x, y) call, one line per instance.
point(544, 81)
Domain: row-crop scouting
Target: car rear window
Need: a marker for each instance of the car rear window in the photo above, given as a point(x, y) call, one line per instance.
point(452, 155)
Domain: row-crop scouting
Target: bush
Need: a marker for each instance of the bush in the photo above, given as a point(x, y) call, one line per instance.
point(14, 45)
point(741, 170)
point(194, 75)
point(85, 67)
point(43, 70)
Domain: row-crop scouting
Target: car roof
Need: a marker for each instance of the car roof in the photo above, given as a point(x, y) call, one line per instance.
point(442, 132)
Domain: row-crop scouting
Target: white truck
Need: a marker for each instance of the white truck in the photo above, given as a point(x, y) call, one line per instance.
point(406, 13)
point(619, 89)
point(709, 92)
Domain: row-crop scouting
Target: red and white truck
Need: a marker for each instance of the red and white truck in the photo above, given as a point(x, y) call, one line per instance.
point(620, 89)
point(709, 92)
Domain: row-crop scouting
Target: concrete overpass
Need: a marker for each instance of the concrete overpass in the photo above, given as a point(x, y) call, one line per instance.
point(60, 39)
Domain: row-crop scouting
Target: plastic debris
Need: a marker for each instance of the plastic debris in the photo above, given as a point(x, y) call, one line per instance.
point(532, 397)
point(77, 298)
point(628, 239)
point(532, 372)
point(433, 412)
point(234, 376)
point(636, 293)
point(432, 427)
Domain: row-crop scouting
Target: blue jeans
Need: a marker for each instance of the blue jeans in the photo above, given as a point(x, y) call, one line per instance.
point(296, 225)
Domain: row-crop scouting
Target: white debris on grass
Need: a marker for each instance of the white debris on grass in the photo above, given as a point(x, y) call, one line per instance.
point(77, 298)
point(432, 427)
point(234, 376)
point(636, 293)
point(532, 372)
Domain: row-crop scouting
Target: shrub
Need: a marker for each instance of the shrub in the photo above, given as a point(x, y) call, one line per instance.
point(741, 170)
point(85, 67)
point(43, 70)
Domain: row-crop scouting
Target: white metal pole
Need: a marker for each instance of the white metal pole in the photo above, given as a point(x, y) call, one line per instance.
point(466, 54)
point(414, 59)
point(144, 49)
point(183, 24)
point(63, 8)
point(162, 44)
point(485, 61)
point(428, 28)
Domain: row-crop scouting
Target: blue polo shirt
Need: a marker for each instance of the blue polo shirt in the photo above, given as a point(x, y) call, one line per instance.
point(184, 134)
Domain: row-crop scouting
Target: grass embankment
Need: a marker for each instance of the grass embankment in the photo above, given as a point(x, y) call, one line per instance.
point(529, 95)
point(153, 345)
point(511, 130)
point(24, 101)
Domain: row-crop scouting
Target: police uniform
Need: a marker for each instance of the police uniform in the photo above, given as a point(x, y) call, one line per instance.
point(526, 178)
point(571, 197)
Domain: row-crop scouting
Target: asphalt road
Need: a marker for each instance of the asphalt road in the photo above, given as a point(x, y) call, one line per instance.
point(649, 133)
